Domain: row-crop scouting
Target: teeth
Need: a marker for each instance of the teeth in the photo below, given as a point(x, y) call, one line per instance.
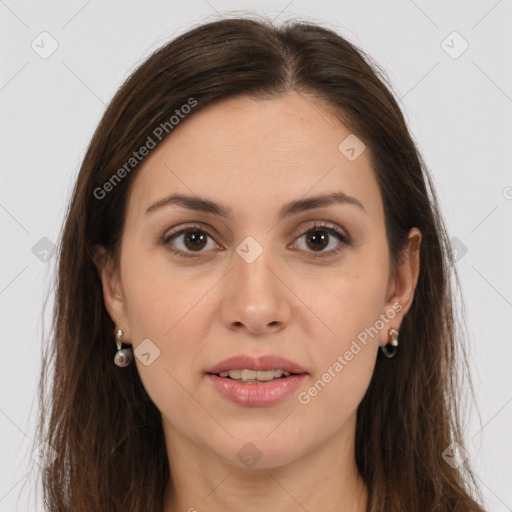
point(252, 375)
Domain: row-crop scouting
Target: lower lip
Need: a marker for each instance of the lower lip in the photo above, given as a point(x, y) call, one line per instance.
point(257, 394)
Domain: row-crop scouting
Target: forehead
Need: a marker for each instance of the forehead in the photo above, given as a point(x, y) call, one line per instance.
point(249, 153)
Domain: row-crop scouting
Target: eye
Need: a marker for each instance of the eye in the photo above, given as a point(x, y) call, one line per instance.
point(188, 240)
point(320, 236)
point(194, 239)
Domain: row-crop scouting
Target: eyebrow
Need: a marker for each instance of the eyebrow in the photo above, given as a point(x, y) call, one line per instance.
point(204, 205)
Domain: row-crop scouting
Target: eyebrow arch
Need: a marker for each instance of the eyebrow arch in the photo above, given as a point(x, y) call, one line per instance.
point(200, 204)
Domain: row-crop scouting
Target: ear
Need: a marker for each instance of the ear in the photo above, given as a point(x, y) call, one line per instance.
point(402, 285)
point(113, 294)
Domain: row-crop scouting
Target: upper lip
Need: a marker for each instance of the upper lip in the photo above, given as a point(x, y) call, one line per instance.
point(261, 363)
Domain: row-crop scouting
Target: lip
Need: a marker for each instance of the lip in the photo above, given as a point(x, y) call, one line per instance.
point(261, 363)
point(259, 394)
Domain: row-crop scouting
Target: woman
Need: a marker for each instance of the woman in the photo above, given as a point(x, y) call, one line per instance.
point(254, 305)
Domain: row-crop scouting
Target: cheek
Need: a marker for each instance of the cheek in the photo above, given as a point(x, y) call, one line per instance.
point(349, 303)
point(174, 310)
point(344, 363)
point(171, 312)
point(159, 295)
point(350, 309)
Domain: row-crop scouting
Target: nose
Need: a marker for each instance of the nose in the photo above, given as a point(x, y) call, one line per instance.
point(256, 299)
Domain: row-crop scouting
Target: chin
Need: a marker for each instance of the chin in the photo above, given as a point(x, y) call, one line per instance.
point(255, 449)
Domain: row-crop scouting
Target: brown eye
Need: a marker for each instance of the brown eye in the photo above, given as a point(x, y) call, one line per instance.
point(319, 237)
point(317, 240)
point(191, 241)
point(188, 241)
point(194, 240)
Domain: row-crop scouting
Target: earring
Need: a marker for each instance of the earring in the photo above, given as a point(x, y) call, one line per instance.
point(123, 356)
point(390, 349)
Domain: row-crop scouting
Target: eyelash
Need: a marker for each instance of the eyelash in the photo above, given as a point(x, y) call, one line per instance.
point(166, 239)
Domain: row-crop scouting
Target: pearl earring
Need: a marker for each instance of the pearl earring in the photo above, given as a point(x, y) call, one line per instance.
point(123, 356)
point(390, 349)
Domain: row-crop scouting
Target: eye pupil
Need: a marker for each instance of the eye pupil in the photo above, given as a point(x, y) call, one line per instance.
point(197, 239)
point(317, 236)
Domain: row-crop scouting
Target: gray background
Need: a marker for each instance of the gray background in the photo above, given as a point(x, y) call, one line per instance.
point(458, 106)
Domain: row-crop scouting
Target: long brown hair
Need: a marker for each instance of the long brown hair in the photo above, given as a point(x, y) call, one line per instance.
point(99, 419)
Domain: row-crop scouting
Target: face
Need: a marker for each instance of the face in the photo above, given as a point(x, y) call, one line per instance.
point(309, 283)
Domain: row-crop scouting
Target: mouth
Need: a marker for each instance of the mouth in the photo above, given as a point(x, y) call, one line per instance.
point(249, 391)
point(246, 376)
point(256, 381)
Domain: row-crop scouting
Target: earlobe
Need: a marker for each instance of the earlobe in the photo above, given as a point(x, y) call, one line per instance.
point(112, 290)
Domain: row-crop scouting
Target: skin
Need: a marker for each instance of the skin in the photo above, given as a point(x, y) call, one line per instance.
point(254, 156)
